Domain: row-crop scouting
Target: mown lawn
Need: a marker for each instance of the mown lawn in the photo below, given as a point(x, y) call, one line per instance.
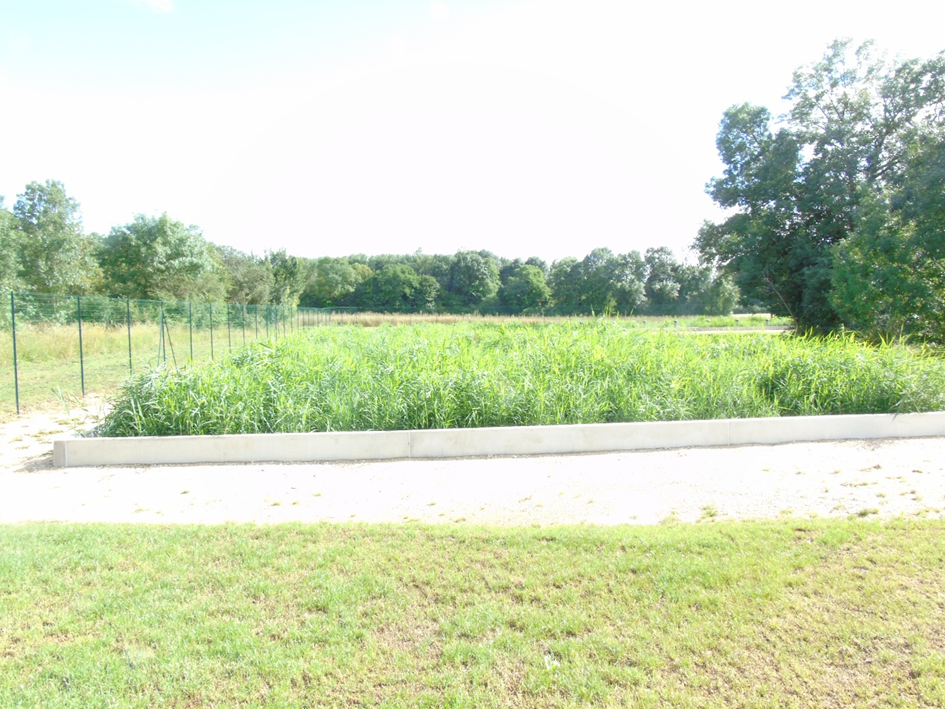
point(762, 614)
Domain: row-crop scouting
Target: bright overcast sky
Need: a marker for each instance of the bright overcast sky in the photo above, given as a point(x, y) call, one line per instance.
point(383, 126)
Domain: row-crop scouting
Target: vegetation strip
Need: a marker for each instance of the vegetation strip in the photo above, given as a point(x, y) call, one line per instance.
point(786, 613)
point(48, 354)
point(473, 376)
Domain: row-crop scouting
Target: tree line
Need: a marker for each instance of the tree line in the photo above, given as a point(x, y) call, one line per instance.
point(43, 248)
point(836, 218)
point(839, 205)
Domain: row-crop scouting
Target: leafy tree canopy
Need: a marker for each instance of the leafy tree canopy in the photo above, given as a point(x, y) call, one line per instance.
point(333, 281)
point(248, 277)
point(801, 185)
point(159, 258)
point(473, 278)
point(288, 278)
point(398, 288)
point(525, 291)
point(55, 256)
point(9, 250)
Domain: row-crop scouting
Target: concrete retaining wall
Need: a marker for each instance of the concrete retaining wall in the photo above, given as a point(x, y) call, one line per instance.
point(462, 442)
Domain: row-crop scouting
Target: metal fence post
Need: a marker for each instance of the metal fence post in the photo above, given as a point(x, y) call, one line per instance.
point(128, 321)
point(163, 353)
point(190, 325)
point(211, 330)
point(78, 310)
point(229, 337)
point(16, 371)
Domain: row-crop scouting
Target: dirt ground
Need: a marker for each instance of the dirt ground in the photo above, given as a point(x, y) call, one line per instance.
point(886, 478)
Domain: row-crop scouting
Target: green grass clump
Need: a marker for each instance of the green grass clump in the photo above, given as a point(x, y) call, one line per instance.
point(466, 375)
point(786, 614)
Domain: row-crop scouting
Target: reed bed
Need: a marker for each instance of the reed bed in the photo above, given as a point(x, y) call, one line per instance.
point(46, 353)
point(427, 376)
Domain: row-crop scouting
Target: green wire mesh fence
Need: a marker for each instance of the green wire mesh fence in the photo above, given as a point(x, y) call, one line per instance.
point(60, 347)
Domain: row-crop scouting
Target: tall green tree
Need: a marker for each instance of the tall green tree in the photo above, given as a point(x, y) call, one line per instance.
point(288, 278)
point(596, 282)
point(473, 279)
point(538, 263)
point(702, 291)
point(627, 277)
point(662, 280)
point(566, 282)
point(611, 283)
point(248, 277)
point(525, 291)
point(397, 288)
point(55, 254)
point(159, 258)
point(508, 270)
point(798, 186)
point(437, 266)
point(333, 281)
point(889, 277)
point(721, 297)
point(602, 282)
point(9, 250)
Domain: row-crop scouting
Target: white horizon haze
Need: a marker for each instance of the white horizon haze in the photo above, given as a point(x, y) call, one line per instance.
point(522, 127)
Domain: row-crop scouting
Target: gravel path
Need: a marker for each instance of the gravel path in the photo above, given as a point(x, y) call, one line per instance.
point(888, 477)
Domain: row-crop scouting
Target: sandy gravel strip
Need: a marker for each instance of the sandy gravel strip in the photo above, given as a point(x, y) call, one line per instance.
point(884, 477)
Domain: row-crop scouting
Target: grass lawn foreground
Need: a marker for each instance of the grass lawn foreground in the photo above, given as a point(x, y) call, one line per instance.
point(783, 613)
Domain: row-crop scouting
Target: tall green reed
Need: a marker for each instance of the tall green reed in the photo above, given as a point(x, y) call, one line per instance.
point(475, 375)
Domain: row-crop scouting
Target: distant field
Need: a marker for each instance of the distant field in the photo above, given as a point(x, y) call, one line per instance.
point(653, 321)
point(487, 374)
point(50, 372)
point(770, 614)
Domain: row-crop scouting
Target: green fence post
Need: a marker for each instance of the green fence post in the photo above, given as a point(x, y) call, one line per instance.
point(190, 323)
point(163, 353)
point(128, 322)
point(229, 336)
point(16, 371)
point(78, 310)
point(211, 330)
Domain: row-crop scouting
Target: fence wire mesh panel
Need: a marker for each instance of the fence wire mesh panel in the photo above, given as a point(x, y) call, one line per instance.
point(58, 347)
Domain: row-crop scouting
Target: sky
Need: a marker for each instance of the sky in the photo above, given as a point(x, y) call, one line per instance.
point(524, 127)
